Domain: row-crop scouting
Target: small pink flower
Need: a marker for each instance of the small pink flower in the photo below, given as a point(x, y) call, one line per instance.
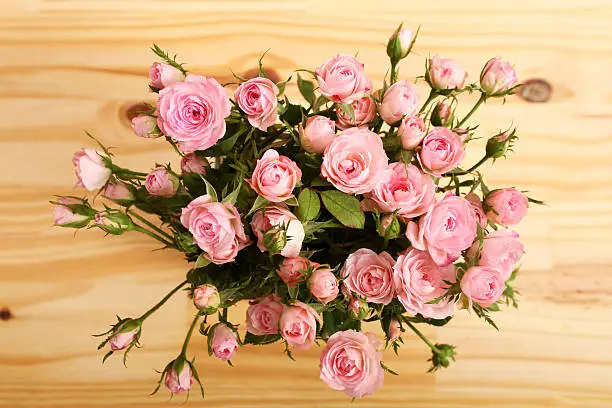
point(177, 383)
point(163, 74)
point(412, 131)
point(90, 169)
point(404, 37)
point(350, 362)
point(447, 229)
point(318, 132)
point(442, 114)
point(501, 249)
point(354, 160)
point(63, 215)
point(262, 318)
point(144, 126)
point(400, 100)
point(118, 190)
point(278, 215)
point(506, 206)
point(124, 336)
point(257, 98)
point(206, 298)
point(160, 182)
point(477, 209)
point(292, 270)
point(483, 285)
point(192, 163)
point(275, 177)
point(364, 110)
point(343, 79)
point(497, 77)
point(419, 281)
point(442, 151)
point(395, 330)
point(224, 342)
point(298, 325)
point(323, 285)
point(369, 275)
point(445, 73)
point(216, 228)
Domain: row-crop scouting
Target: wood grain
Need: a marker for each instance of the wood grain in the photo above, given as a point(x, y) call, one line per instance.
point(69, 65)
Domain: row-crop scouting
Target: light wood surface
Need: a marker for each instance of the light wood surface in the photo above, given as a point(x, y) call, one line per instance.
point(70, 65)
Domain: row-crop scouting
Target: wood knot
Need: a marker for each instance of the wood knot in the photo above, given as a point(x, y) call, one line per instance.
point(270, 73)
point(134, 109)
point(536, 90)
point(6, 314)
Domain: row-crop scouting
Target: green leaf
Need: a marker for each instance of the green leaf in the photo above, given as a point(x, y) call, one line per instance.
point(225, 146)
point(306, 89)
point(319, 102)
point(202, 261)
point(292, 202)
point(171, 61)
point(210, 190)
point(348, 109)
point(345, 208)
point(259, 203)
point(309, 205)
point(233, 196)
point(250, 338)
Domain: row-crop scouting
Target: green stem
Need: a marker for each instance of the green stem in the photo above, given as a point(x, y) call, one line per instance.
point(430, 98)
point(150, 224)
point(161, 302)
point(189, 333)
point(153, 235)
point(422, 337)
point(394, 72)
point(482, 98)
point(225, 314)
point(121, 171)
point(471, 169)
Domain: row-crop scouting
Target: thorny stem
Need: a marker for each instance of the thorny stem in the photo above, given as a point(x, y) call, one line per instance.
point(150, 224)
point(482, 98)
point(152, 235)
point(161, 302)
point(430, 98)
point(471, 169)
point(422, 337)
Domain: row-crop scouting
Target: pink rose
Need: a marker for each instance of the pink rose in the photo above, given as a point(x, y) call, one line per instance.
point(442, 114)
point(192, 163)
point(405, 189)
point(193, 112)
point(257, 98)
point(445, 73)
point(224, 342)
point(275, 215)
point(483, 285)
point(343, 79)
point(216, 228)
point(298, 325)
point(358, 308)
point(177, 383)
point(292, 270)
point(399, 43)
point(447, 229)
point(364, 110)
point(497, 77)
point(161, 183)
point(477, 210)
point(506, 206)
point(369, 275)
point(318, 132)
point(395, 330)
point(419, 280)
point(163, 74)
point(206, 298)
point(124, 335)
point(144, 126)
point(442, 151)
point(400, 100)
point(275, 177)
point(323, 285)
point(501, 249)
point(118, 190)
point(350, 362)
point(90, 169)
point(262, 318)
point(64, 216)
point(354, 160)
point(411, 131)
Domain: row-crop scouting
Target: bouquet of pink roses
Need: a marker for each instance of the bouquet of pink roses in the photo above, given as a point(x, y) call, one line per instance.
point(352, 206)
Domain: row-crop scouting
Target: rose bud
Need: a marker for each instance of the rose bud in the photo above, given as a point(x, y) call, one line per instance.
point(163, 74)
point(90, 169)
point(113, 222)
point(445, 73)
point(179, 377)
point(224, 341)
point(442, 356)
point(399, 44)
point(278, 230)
point(125, 335)
point(323, 285)
point(389, 227)
point(206, 298)
point(506, 206)
point(477, 209)
point(483, 285)
point(74, 217)
point(144, 126)
point(119, 191)
point(399, 100)
point(442, 115)
point(364, 110)
point(192, 163)
point(497, 77)
point(293, 271)
point(359, 309)
point(161, 183)
point(412, 131)
point(395, 330)
point(498, 145)
point(318, 132)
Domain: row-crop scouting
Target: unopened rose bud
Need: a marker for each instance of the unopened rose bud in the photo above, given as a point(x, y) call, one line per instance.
point(163, 74)
point(398, 101)
point(497, 77)
point(145, 126)
point(206, 298)
point(395, 330)
point(323, 285)
point(442, 356)
point(192, 163)
point(224, 342)
point(317, 133)
point(71, 212)
point(113, 222)
point(498, 145)
point(160, 182)
point(412, 131)
point(119, 191)
point(125, 335)
point(442, 115)
point(275, 239)
point(179, 377)
point(445, 74)
point(506, 206)
point(389, 227)
point(359, 309)
point(90, 169)
point(399, 44)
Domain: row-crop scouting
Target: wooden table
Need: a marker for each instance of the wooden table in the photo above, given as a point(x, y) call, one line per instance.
point(70, 65)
